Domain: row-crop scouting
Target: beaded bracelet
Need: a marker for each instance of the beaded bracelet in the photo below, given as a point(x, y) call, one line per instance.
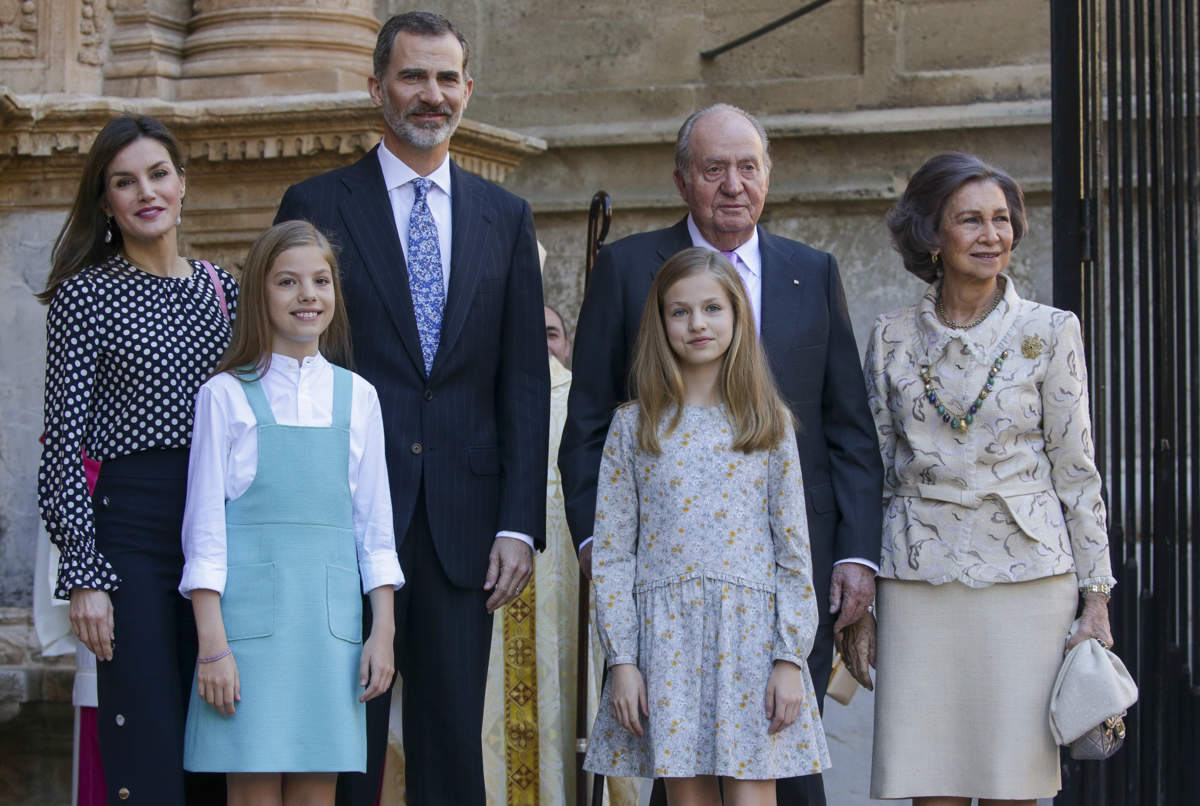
point(1097, 587)
point(216, 657)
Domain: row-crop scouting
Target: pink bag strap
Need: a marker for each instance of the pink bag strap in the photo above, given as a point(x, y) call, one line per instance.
point(217, 287)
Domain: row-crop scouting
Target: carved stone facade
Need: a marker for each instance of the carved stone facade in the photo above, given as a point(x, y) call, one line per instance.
point(18, 29)
point(241, 154)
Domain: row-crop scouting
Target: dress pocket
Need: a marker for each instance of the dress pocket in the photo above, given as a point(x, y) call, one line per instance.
point(248, 604)
point(344, 602)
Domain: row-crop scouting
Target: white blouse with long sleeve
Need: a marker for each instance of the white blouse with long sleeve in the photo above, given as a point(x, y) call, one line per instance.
point(224, 460)
point(1015, 497)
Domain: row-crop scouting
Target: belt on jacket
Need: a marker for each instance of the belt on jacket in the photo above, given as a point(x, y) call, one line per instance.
point(972, 498)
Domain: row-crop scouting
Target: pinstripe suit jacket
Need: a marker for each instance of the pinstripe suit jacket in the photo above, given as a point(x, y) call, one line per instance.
point(475, 431)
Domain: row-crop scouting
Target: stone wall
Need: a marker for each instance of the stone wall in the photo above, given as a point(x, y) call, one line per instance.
point(36, 717)
point(547, 63)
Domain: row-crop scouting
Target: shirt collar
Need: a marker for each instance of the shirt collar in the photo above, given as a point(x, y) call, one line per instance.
point(397, 174)
point(286, 362)
point(992, 335)
point(747, 252)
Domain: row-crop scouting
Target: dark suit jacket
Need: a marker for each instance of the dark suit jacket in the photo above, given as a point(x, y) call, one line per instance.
point(810, 345)
point(475, 431)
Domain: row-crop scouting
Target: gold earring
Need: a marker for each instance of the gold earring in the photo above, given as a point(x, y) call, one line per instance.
point(935, 256)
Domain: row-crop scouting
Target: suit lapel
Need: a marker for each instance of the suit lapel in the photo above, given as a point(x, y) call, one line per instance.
point(471, 218)
point(367, 214)
point(783, 293)
point(674, 240)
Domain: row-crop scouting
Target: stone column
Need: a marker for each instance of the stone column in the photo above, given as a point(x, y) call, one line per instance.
point(146, 48)
point(242, 49)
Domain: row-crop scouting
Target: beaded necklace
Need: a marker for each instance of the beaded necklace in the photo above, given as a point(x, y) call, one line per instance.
point(959, 422)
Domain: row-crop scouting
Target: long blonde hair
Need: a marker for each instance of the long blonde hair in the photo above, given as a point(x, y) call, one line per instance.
point(251, 344)
point(757, 413)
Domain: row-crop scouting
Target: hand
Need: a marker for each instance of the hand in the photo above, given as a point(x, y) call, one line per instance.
point(629, 697)
point(585, 560)
point(785, 695)
point(378, 665)
point(851, 591)
point(1093, 622)
point(92, 621)
point(856, 644)
point(509, 568)
point(219, 685)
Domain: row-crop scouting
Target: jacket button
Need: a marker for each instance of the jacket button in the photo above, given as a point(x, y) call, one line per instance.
point(123, 793)
point(416, 448)
point(120, 720)
point(104, 500)
point(429, 394)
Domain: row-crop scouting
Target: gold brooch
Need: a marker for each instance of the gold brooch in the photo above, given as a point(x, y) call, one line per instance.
point(1031, 347)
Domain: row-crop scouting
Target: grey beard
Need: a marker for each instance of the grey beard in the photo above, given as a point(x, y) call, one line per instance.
point(420, 136)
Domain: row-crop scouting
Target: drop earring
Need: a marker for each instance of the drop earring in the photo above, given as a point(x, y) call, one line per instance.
point(108, 230)
point(179, 218)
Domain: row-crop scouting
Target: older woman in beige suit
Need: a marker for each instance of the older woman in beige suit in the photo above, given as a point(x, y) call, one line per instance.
point(994, 527)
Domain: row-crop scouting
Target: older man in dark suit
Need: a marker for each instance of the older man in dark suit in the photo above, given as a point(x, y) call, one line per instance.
point(444, 293)
point(722, 171)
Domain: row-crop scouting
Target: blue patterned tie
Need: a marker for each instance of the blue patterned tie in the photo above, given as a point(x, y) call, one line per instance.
point(425, 272)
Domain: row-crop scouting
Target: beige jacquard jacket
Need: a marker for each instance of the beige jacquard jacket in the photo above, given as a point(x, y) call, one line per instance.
point(1016, 496)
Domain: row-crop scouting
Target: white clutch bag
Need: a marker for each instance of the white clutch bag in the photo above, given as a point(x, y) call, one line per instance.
point(1092, 692)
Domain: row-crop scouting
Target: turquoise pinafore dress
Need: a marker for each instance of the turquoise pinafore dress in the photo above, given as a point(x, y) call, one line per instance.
point(292, 608)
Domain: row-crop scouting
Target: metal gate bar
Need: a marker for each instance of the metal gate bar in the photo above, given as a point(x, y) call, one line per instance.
point(1126, 151)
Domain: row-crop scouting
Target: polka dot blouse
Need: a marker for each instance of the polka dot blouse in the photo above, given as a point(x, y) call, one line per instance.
point(126, 352)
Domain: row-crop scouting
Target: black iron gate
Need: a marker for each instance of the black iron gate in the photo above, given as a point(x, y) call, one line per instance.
point(1126, 147)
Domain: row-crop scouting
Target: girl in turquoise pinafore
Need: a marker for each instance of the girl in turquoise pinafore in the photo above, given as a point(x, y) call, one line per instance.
point(288, 521)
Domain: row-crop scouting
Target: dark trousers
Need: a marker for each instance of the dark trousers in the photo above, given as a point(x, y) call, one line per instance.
point(808, 790)
point(144, 690)
point(443, 637)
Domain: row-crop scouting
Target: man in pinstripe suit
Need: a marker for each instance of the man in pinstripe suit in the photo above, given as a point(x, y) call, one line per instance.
point(459, 361)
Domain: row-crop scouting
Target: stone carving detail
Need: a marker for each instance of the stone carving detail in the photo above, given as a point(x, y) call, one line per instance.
point(18, 29)
point(94, 16)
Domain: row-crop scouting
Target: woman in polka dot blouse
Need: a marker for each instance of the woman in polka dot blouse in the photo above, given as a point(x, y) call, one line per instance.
point(133, 330)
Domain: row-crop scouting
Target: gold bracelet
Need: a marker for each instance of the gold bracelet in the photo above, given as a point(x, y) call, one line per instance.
point(1096, 587)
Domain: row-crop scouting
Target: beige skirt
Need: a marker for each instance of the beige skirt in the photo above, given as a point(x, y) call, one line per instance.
point(963, 688)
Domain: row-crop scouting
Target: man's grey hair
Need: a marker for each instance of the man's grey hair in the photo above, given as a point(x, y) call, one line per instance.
point(683, 140)
point(418, 23)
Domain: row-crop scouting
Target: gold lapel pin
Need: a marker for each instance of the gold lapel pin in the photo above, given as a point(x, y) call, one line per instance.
point(1031, 347)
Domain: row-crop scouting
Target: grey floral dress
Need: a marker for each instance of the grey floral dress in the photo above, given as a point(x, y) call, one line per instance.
point(703, 578)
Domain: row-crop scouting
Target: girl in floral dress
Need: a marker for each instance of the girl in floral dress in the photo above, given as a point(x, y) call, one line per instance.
point(703, 576)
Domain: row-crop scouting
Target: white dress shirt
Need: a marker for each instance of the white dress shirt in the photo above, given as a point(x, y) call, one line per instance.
point(397, 178)
point(224, 461)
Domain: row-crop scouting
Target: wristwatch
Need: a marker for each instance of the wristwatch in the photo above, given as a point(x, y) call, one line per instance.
point(1096, 587)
